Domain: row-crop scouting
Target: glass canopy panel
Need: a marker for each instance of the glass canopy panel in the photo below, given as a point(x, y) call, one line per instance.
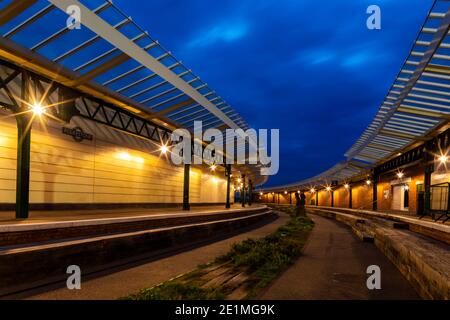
point(95, 59)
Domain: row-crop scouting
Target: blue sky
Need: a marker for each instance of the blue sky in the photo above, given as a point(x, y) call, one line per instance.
point(310, 68)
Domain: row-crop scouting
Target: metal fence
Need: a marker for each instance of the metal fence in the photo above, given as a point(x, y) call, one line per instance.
point(440, 201)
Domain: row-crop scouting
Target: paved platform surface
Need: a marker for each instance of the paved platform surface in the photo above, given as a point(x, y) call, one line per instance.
point(334, 265)
point(396, 215)
point(119, 282)
point(8, 217)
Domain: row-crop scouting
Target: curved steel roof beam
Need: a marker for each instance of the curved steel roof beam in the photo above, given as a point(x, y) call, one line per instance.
point(105, 54)
point(66, 29)
point(138, 68)
point(14, 9)
point(118, 40)
point(438, 37)
point(29, 21)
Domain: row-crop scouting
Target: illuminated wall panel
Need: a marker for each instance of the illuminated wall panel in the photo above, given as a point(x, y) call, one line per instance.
point(112, 168)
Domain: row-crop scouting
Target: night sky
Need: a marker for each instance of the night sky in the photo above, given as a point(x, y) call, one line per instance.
point(310, 68)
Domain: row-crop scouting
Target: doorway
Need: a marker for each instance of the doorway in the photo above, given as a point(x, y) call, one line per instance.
point(400, 197)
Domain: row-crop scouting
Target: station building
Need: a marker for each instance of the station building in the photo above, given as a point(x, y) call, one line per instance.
point(414, 183)
point(109, 168)
point(401, 161)
point(86, 113)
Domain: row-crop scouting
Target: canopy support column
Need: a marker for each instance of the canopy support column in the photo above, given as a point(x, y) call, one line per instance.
point(250, 192)
point(23, 154)
point(228, 175)
point(350, 196)
point(186, 205)
point(427, 189)
point(243, 191)
point(374, 192)
point(332, 198)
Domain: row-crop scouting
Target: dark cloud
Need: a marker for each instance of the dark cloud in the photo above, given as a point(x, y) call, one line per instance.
point(310, 68)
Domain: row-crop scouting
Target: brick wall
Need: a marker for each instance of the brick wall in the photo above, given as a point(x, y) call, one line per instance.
point(324, 198)
point(362, 196)
point(341, 197)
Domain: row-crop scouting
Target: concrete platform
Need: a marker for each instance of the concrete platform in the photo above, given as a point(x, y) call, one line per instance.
point(333, 267)
point(62, 225)
point(33, 254)
point(132, 277)
point(422, 259)
point(426, 226)
point(50, 216)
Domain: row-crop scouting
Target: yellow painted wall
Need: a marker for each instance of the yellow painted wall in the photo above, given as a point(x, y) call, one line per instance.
point(113, 168)
point(324, 198)
point(341, 197)
point(310, 198)
point(362, 196)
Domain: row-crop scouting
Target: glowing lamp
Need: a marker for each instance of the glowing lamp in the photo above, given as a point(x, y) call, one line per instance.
point(163, 149)
point(37, 109)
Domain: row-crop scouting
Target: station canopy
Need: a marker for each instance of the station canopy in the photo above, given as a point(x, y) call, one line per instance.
point(417, 104)
point(114, 59)
point(112, 50)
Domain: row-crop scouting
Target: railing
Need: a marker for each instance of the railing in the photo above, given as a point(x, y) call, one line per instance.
point(439, 202)
point(438, 209)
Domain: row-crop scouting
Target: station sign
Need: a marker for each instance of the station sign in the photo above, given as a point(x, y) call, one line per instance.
point(77, 134)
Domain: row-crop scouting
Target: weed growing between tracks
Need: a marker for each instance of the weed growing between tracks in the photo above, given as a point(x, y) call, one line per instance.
point(241, 273)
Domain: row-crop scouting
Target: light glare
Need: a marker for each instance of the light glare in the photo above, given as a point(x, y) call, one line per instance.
point(128, 157)
point(37, 109)
point(164, 149)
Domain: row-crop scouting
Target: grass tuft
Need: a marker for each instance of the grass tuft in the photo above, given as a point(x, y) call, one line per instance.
point(261, 259)
point(178, 291)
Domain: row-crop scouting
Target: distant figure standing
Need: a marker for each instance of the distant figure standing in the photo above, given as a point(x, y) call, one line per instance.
point(297, 204)
point(300, 201)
